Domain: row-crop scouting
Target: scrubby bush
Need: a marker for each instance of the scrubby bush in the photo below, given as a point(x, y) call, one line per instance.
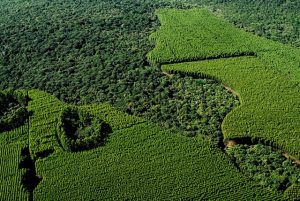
point(266, 166)
point(79, 130)
point(13, 112)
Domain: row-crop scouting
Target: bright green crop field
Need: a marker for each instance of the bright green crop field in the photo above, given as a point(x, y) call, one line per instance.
point(267, 83)
point(189, 35)
point(140, 161)
point(10, 175)
point(11, 171)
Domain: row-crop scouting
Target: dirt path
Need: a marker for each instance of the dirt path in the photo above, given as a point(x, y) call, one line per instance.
point(230, 143)
point(167, 74)
point(295, 160)
point(231, 90)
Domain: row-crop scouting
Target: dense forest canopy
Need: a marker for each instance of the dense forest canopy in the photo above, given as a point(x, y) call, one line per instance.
point(277, 20)
point(13, 112)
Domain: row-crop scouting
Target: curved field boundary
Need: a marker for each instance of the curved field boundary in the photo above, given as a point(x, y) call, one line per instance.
point(140, 161)
point(42, 132)
point(268, 84)
point(46, 109)
point(196, 34)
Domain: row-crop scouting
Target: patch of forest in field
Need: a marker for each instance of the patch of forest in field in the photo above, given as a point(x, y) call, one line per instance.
point(139, 160)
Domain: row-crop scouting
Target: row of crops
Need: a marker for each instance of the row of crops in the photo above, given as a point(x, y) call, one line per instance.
point(43, 138)
point(19, 134)
point(118, 120)
point(270, 102)
point(293, 192)
point(12, 142)
point(189, 35)
point(142, 161)
point(11, 187)
point(267, 83)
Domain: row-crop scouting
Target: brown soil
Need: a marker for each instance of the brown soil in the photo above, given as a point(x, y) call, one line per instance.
point(295, 160)
point(231, 90)
point(230, 143)
point(167, 74)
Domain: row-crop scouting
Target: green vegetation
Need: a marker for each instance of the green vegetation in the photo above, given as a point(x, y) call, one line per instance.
point(11, 173)
point(193, 35)
point(117, 119)
point(19, 134)
point(187, 104)
point(91, 51)
point(96, 53)
point(263, 91)
point(293, 192)
point(13, 111)
point(138, 158)
point(269, 96)
point(30, 179)
point(277, 20)
point(43, 132)
point(81, 51)
point(11, 187)
point(266, 166)
point(163, 166)
point(80, 130)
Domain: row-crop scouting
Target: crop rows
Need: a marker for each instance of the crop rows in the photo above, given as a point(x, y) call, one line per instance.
point(270, 102)
point(11, 144)
point(145, 162)
point(293, 192)
point(140, 158)
point(189, 35)
point(267, 83)
point(140, 161)
point(43, 124)
point(10, 175)
point(17, 135)
point(118, 120)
